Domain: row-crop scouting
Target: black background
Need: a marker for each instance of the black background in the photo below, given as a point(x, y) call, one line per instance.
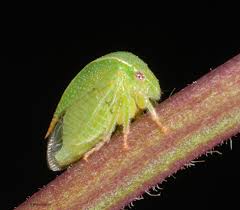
point(46, 55)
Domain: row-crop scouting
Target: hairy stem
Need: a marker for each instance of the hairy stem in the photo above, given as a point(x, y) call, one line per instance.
point(198, 118)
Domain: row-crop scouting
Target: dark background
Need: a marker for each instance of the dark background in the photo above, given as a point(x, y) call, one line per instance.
point(46, 55)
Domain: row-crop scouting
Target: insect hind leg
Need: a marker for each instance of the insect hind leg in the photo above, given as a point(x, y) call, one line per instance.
point(94, 149)
point(106, 139)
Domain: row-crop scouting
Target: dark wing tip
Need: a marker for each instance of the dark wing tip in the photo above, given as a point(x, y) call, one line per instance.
point(53, 146)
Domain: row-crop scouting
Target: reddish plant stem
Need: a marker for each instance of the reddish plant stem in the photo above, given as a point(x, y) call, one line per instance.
point(198, 118)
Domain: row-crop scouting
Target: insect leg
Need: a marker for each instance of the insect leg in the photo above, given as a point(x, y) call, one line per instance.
point(94, 149)
point(126, 119)
point(144, 103)
point(155, 116)
point(125, 136)
point(106, 137)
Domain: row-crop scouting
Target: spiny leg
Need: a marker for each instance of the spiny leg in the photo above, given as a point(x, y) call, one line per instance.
point(106, 139)
point(96, 148)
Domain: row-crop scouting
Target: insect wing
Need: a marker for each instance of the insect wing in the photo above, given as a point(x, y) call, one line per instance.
point(86, 123)
point(53, 146)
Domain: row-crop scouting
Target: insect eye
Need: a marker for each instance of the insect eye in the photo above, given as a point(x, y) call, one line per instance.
point(140, 75)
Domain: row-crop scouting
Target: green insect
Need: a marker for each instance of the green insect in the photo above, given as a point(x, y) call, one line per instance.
point(107, 92)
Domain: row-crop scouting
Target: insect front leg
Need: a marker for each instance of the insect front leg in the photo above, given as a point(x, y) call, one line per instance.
point(144, 103)
point(155, 116)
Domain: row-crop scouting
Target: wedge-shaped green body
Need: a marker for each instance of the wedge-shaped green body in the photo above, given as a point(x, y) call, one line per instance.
point(107, 92)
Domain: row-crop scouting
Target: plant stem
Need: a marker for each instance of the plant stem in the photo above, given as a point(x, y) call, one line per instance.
point(198, 118)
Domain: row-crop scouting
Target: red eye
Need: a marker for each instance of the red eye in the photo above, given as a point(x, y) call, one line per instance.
point(140, 75)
